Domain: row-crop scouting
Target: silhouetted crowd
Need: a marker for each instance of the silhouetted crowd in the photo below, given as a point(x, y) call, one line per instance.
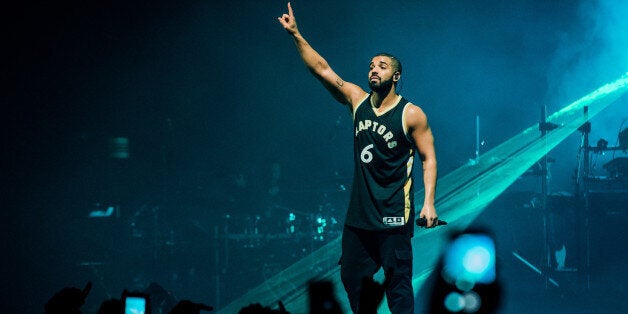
point(464, 280)
point(322, 299)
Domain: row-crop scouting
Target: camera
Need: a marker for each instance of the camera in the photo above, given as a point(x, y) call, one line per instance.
point(466, 277)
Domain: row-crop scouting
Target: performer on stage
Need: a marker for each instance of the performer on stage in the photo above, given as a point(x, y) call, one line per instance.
point(388, 130)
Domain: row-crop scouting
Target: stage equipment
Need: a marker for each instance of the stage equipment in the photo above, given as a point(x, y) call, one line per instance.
point(623, 140)
point(543, 173)
point(617, 168)
point(589, 187)
point(477, 140)
point(104, 211)
point(267, 243)
point(119, 148)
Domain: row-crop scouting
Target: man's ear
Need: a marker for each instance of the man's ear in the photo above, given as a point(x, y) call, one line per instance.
point(396, 76)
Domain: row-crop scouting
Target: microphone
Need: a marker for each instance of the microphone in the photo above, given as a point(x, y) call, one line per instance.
point(422, 222)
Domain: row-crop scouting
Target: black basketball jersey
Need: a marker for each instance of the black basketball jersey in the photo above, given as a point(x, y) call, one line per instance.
point(381, 195)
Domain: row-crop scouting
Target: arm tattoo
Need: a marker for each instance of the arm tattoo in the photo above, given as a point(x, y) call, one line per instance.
point(340, 82)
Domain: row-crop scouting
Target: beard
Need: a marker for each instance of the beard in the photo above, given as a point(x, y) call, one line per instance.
point(381, 85)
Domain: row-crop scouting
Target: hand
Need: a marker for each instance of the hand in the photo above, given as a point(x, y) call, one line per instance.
point(429, 213)
point(288, 22)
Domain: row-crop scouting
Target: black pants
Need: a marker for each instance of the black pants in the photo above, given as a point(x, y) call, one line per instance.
point(364, 252)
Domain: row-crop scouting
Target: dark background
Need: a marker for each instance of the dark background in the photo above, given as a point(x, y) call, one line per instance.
point(212, 94)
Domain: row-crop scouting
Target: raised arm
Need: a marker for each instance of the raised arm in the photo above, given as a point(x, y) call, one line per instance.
point(416, 120)
point(344, 92)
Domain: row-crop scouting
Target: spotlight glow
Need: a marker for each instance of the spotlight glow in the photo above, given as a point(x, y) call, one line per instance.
point(470, 259)
point(454, 302)
point(476, 260)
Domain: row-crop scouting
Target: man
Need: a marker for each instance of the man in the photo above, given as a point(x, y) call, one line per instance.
point(388, 130)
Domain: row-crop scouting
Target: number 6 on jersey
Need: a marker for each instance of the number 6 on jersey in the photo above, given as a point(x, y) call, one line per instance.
point(366, 156)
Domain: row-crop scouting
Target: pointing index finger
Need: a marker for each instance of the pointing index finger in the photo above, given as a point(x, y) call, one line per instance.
point(290, 10)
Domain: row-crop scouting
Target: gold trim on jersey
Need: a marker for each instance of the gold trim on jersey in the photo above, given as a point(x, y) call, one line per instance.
point(359, 104)
point(404, 125)
point(379, 114)
point(407, 186)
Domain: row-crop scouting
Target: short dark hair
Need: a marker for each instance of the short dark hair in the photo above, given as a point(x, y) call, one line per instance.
point(395, 62)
